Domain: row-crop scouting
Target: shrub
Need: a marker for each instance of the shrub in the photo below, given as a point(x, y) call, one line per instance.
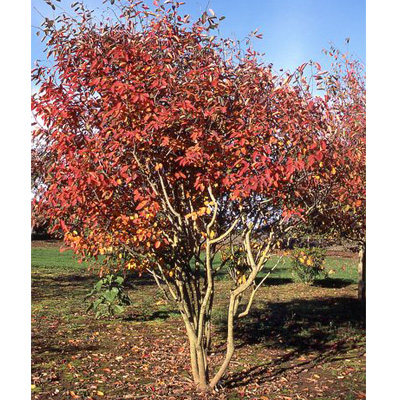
point(307, 264)
point(108, 296)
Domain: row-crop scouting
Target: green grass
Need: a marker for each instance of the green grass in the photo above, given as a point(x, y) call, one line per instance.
point(344, 268)
point(45, 257)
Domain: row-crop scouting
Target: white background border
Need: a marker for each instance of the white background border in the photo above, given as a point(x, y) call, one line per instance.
point(383, 200)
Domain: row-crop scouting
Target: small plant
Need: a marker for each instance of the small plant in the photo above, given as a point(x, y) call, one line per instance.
point(108, 296)
point(307, 264)
point(236, 263)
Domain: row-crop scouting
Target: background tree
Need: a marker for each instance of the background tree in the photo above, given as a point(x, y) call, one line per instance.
point(164, 146)
point(343, 208)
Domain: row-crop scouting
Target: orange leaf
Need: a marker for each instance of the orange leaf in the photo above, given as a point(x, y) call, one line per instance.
point(141, 205)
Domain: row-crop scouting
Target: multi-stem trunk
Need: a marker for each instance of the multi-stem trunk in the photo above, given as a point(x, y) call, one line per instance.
point(198, 328)
point(198, 357)
point(199, 351)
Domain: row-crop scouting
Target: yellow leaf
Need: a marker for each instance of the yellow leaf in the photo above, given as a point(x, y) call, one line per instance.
point(99, 393)
point(212, 234)
point(333, 171)
point(33, 387)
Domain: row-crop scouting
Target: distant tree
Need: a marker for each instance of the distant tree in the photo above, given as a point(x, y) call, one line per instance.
point(165, 145)
point(342, 204)
point(39, 225)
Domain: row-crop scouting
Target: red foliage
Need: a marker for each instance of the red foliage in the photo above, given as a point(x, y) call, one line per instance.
point(343, 206)
point(150, 110)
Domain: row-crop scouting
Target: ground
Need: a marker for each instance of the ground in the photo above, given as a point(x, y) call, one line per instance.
point(299, 342)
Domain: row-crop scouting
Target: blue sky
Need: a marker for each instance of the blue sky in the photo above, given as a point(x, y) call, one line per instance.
point(294, 31)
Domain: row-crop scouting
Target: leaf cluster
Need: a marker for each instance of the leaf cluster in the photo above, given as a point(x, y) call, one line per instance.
point(108, 296)
point(308, 264)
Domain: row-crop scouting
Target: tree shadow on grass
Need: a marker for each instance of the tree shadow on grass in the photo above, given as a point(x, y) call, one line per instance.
point(63, 279)
point(49, 287)
point(308, 332)
point(157, 315)
point(333, 283)
point(136, 280)
point(38, 348)
point(272, 281)
point(46, 349)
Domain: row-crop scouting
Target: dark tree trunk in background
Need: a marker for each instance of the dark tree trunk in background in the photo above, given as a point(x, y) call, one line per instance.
point(362, 257)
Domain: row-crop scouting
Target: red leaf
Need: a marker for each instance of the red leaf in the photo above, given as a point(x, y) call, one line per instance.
point(141, 205)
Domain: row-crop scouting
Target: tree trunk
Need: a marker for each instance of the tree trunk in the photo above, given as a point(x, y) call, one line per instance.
point(198, 352)
point(230, 345)
point(207, 344)
point(198, 358)
point(362, 272)
point(193, 359)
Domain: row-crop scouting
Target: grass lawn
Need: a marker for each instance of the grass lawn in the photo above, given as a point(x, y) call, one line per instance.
point(299, 342)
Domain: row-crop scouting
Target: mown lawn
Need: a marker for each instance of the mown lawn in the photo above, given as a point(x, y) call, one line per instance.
point(299, 342)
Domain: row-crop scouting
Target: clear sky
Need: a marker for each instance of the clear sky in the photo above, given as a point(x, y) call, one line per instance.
point(294, 31)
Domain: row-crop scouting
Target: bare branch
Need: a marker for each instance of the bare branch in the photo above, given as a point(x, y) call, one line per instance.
point(250, 301)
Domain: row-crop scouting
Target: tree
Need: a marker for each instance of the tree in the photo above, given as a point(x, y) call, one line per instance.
point(343, 208)
point(165, 146)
